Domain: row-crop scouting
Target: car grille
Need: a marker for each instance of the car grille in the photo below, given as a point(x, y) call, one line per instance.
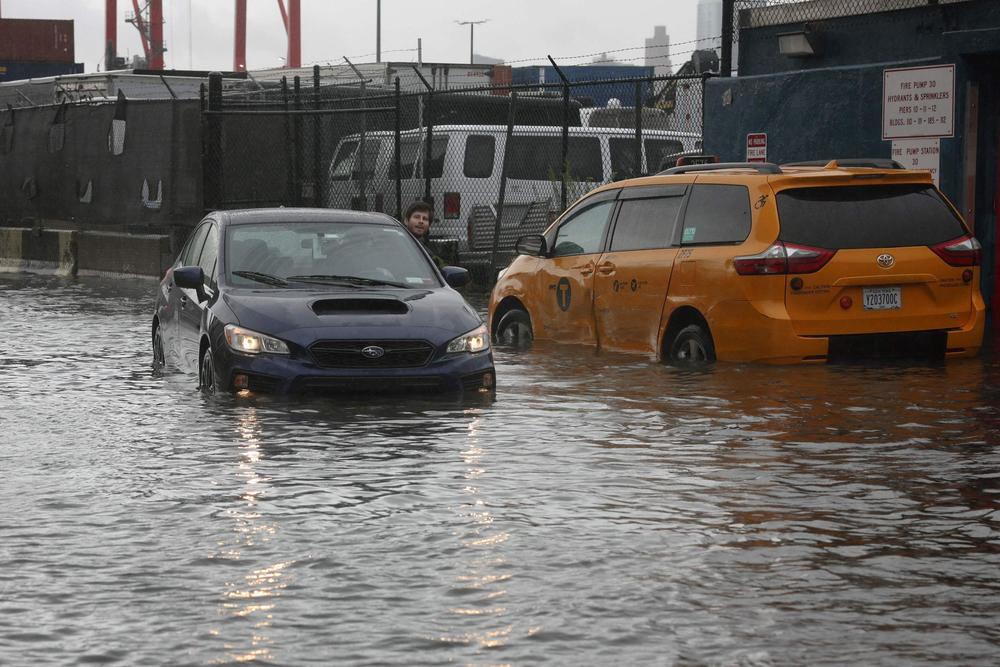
point(908, 345)
point(347, 354)
point(389, 385)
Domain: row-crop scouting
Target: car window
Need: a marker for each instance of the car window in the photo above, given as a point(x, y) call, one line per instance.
point(866, 216)
point(379, 252)
point(717, 214)
point(646, 223)
point(347, 166)
point(480, 151)
point(192, 249)
point(209, 254)
point(622, 157)
point(411, 157)
point(583, 233)
point(538, 158)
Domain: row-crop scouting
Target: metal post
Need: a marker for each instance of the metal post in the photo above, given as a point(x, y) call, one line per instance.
point(511, 114)
point(726, 63)
point(428, 152)
point(298, 142)
point(378, 31)
point(289, 164)
point(564, 164)
point(396, 157)
point(212, 159)
point(318, 181)
point(359, 157)
point(637, 169)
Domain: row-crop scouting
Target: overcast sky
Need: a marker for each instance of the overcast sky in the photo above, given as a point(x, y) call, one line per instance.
point(199, 33)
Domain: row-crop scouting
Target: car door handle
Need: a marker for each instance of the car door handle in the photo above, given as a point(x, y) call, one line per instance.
point(606, 269)
point(585, 269)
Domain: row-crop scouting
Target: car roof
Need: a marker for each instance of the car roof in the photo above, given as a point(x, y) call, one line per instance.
point(781, 177)
point(282, 214)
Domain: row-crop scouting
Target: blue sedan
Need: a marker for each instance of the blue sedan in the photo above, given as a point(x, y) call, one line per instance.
point(317, 300)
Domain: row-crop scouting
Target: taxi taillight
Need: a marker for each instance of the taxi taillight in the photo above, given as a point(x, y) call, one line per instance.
point(783, 258)
point(963, 251)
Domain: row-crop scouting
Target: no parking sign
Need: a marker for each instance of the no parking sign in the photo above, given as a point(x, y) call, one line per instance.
point(757, 147)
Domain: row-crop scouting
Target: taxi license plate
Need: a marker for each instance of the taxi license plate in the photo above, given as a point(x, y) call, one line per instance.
point(882, 298)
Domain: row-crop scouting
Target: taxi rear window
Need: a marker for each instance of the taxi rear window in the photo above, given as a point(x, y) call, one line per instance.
point(866, 216)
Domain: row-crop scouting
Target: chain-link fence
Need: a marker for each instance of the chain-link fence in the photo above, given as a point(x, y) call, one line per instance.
point(495, 163)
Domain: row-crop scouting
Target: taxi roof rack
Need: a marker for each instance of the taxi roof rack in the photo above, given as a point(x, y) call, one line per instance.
point(865, 162)
point(759, 167)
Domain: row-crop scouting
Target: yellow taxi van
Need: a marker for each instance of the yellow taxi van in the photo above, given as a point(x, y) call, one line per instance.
point(752, 262)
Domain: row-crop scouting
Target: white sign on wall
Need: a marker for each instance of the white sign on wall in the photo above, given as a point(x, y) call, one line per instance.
point(757, 147)
point(919, 154)
point(918, 102)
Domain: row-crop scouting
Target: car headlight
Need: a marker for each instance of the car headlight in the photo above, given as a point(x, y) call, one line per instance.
point(476, 340)
point(251, 342)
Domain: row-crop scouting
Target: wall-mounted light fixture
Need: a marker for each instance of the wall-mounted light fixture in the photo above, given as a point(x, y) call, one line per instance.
point(799, 44)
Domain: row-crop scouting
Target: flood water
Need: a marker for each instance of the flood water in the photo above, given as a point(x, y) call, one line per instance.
point(603, 509)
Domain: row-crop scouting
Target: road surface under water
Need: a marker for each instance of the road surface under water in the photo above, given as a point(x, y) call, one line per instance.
point(604, 508)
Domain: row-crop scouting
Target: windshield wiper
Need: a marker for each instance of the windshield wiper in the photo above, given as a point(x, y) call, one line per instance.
point(350, 280)
point(265, 278)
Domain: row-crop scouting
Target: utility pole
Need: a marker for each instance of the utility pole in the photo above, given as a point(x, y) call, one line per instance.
point(378, 31)
point(472, 32)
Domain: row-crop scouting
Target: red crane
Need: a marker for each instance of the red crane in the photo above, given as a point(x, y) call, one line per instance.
point(292, 20)
point(151, 32)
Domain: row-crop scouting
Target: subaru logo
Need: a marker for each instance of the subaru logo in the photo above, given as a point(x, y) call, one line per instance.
point(372, 352)
point(885, 260)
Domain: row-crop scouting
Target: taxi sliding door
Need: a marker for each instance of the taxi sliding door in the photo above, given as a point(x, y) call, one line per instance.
point(632, 277)
point(564, 282)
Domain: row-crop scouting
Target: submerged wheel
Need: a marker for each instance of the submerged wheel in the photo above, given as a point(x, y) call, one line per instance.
point(206, 372)
point(692, 346)
point(159, 359)
point(514, 329)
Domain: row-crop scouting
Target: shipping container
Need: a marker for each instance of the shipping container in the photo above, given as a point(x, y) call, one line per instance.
point(36, 40)
point(18, 71)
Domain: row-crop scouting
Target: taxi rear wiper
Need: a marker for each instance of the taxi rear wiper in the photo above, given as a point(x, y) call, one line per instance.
point(351, 280)
point(265, 278)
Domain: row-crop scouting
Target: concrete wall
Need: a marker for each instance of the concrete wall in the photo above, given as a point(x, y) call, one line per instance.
point(72, 252)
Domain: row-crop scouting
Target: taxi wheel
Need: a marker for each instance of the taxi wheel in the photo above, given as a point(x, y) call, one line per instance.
point(692, 345)
point(514, 329)
point(159, 359)
point(206, 372)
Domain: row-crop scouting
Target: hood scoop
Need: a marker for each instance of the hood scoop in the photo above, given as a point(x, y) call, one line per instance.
point(360, 307)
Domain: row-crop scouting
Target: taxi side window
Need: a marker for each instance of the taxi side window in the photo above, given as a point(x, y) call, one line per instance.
point(646, 223)
point(192, 250)
point(717, 214)
point(582, 234)
point(210, 254)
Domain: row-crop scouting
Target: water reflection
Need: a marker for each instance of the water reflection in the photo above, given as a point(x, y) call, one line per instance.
point(603, 509)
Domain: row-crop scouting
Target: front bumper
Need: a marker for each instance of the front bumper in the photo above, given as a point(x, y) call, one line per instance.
point(290, 375)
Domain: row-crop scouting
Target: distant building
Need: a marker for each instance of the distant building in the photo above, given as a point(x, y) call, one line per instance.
point(480, 59)
point(658, 52)
point(709, 29)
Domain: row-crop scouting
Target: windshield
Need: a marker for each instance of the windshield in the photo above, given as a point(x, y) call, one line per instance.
point(286, 254)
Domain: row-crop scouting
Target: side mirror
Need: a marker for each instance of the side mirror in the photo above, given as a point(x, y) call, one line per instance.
point(532, 244)
point(191, 277)
point(455, 276)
